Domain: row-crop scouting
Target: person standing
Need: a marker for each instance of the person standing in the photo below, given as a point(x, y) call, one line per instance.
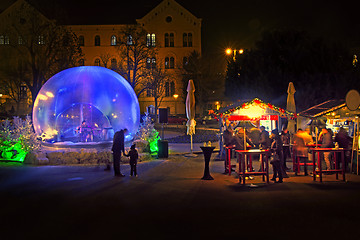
point(264, 140)
point(228, 137)
point(285, 137)
point(343, 140)
point(277, 151)
point(326, 142)
point(133, 154)
point(117, 148)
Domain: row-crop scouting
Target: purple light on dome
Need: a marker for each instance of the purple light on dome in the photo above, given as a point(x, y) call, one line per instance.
point(97, 95)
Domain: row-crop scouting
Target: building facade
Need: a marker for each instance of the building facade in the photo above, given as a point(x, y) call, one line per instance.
point(170, 27)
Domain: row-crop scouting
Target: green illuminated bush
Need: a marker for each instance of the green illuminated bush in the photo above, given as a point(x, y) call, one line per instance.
point(148, 133)
point(17, 138)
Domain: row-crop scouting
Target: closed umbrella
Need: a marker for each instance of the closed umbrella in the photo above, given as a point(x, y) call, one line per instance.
point(190, 111)
point(291, 107)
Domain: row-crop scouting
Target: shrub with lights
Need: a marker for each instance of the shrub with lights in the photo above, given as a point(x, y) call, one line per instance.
point(148, 134)
point(17, 139)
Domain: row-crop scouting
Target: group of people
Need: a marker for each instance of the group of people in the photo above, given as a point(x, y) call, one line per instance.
point(326, 139)
point(118, 148)
point(279, 144)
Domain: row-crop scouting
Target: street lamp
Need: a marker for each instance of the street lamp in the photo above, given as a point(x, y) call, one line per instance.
point(175, 96)
point(230, 51)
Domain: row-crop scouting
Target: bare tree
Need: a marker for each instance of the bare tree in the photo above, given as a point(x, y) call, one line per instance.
point(45, 47)
point(208, 82)
point(157, 77)
point(13, 71)
point(134, 50)
point(105, 59)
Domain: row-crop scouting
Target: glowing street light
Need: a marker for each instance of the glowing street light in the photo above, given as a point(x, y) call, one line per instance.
point(230, 51)
point(175, 96)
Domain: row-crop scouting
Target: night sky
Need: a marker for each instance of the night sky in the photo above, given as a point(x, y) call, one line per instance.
point(233, 23)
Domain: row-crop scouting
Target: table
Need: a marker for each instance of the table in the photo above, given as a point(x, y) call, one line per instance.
point(336, 170)
point(296, 160)
point(228, 158)
point(264, 159)
point(207, 156)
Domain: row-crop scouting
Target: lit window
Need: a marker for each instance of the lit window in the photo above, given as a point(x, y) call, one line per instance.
point(167, 64)
point(41, 40)
point(153, 40)
point(172, 62)
point(150, 40)
point(4, 40)
point(185, 40)
point(81, 40)
point(20, 40)
point(97, 62)
point(129, 40)
point(113, 40)
point(148, 62)
point(166, 39)
point(23, 92)
point(171, 40)
point(97, 40)
point(153, 62)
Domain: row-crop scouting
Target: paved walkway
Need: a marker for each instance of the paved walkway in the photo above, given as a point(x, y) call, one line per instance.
point(169, 201)
point(184, 148)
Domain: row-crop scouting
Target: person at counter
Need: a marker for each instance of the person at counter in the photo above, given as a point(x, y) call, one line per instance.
point(301, 138)
point(343, 140)
point(277, 159)
point(228, 138)
point(264, 141)
point(285, 137)
point(326, 141)
point(238, 140)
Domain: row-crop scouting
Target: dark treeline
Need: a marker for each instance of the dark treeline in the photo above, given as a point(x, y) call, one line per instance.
point(319, 70)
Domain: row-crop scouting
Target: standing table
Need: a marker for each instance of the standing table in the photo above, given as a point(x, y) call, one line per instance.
point(207, 156)
point(336, 170)
point(264, 159)
point(228, 158)
point(297, 163)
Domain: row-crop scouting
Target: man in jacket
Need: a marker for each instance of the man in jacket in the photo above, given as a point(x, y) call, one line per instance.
point(117, 148)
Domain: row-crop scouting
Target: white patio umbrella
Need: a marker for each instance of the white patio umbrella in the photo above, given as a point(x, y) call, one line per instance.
point(190, 111)
point(291, 107)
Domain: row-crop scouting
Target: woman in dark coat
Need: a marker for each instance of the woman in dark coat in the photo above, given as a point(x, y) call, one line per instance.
point(276, 148)
point(117, 148)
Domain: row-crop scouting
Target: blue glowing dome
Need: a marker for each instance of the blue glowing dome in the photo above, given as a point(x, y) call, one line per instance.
point(85, 104)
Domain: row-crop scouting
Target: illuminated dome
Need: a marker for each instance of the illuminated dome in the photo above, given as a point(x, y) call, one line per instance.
point(85, 104)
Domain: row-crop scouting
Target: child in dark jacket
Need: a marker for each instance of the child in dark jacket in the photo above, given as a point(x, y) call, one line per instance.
point(133, 154)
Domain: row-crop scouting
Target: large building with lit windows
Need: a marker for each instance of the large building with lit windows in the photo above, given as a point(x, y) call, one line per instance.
point(170, 27)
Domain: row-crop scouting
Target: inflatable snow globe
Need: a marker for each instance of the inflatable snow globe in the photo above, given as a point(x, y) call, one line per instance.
point(85, 104)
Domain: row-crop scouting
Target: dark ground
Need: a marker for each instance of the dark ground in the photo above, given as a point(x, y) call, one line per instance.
point(169, 201)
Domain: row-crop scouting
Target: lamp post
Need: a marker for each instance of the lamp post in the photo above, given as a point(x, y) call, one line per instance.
point(230, 51)
point(175, 96)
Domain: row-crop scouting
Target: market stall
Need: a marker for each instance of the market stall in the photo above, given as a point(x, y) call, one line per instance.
point(335, 114)
point(250, 115)
point(254, 113)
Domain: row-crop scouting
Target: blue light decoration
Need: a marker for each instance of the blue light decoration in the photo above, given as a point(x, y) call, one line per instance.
point(99, 96)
